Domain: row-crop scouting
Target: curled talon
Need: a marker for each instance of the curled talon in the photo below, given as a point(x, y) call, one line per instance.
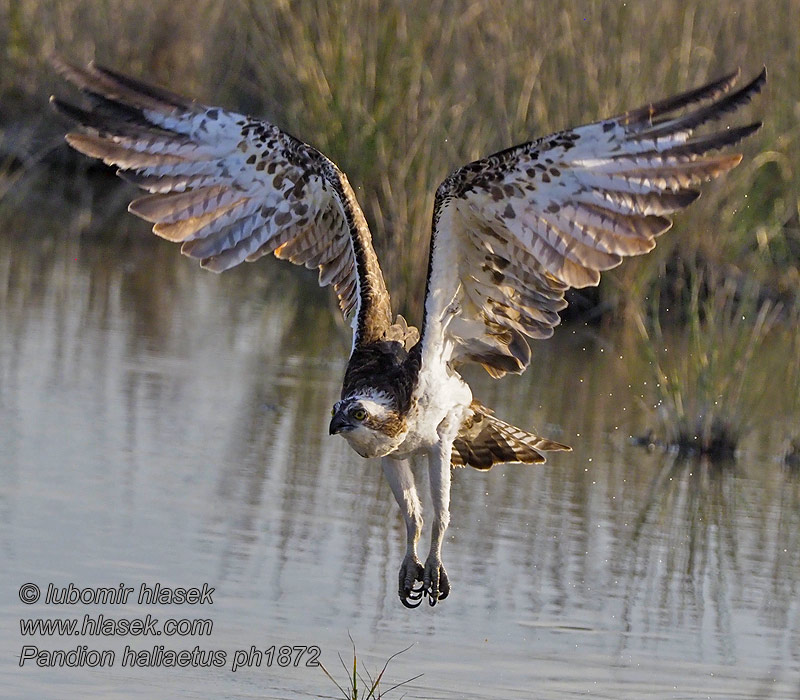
point(444, 584)
point(437, 585)
point(409, 590)
point(405, 602)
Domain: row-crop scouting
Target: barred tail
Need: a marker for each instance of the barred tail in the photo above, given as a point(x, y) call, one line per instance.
point(484, 441)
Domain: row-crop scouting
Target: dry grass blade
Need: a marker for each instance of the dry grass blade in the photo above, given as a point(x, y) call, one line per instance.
point(357, 687)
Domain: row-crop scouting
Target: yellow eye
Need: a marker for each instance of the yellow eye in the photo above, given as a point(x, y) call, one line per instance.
point(333, 411)
point(359, 414)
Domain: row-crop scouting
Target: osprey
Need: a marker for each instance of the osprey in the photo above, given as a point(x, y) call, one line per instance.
point(511, 233)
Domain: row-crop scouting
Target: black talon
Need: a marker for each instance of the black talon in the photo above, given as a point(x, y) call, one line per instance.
point(412, 588)
point(410, 605)
point(444, 585)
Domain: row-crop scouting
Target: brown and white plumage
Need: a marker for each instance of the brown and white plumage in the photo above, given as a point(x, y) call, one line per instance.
point(484, 440)
point(514, 231)
point(230, 188)
point(511, 233)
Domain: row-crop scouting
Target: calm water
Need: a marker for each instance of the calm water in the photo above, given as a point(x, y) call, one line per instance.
point(161, 424)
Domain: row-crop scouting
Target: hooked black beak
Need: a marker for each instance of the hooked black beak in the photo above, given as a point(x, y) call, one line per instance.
point(339, 422)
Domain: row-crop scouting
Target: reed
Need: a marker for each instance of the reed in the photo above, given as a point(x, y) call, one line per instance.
point(401, 92)
point(360, 683)
point(708, 379)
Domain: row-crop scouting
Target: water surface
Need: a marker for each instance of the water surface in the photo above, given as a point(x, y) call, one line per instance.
point(161, 424)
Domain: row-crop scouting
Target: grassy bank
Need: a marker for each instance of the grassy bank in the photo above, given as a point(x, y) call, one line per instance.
point(399, 93)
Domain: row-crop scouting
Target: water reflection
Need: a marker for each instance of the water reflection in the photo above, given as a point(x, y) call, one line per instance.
point(159, 423)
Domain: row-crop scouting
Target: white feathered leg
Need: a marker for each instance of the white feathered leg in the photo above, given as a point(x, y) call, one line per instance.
point(435, 581)
point(401, 479)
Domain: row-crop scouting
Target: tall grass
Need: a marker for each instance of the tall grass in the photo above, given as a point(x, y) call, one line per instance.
point(708, 386)
point(428, 86)
point(400, 92)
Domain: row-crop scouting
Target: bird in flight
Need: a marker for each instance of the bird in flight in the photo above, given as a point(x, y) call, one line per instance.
point(511, 233)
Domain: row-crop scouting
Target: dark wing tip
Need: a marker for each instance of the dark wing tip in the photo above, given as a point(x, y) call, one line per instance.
point(67, 109)
point(710, 91)
point(97, 81)
point(719, 102)
point(755, 85)
point(745, 131)
point(140, 87)
point(717, 93)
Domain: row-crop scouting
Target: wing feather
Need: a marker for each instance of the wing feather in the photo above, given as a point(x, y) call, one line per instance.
point(512, 232)
point(484, 440)
point(176, 206)
point(230, 188)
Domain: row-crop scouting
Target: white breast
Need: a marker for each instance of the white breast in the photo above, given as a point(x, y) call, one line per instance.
point(440, 393)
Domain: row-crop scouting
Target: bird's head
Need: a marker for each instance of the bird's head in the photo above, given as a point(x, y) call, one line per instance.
point(370, 422)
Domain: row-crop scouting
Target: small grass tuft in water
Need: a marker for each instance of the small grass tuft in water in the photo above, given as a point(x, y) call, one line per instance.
point(360, 684)
point(708, 376)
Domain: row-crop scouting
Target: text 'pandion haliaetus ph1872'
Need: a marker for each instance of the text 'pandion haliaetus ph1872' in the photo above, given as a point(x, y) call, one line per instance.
point(511, 233)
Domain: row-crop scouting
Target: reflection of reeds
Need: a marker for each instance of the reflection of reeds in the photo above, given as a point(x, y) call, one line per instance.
point(709, 385)
point(700, 528)
point(783, 601)
point(684, 546)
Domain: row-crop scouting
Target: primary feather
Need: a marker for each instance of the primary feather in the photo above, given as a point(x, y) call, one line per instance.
point(512, 232)
point(231, 188)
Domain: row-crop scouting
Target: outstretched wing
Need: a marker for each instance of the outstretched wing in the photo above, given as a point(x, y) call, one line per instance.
point(231, 188)
point(512, 232)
